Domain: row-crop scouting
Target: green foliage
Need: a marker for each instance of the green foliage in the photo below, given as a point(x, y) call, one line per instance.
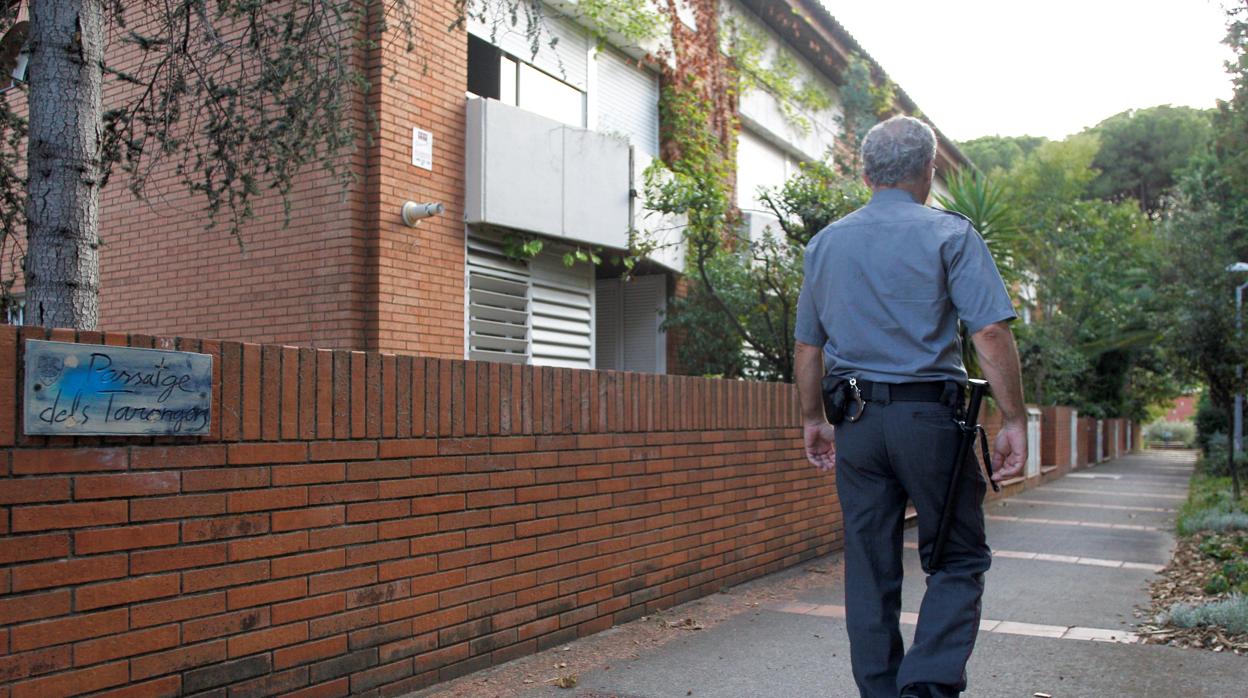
point(1230, 549)
point(632, 22)
point(992, 153)
point(701, 350)
point(1053, 367)
point(738, 316)
point(1209, 420)
point(865, 100)
point(1143, 150)
point(985, 202)
point(751, 286)
point(780, 75)
point(1092, 266)
point(1200, 237)
point(1164, 432)
point(523, 246)
point(1209, 506)
point(815, 197)
point(754, 286)
point(1225, 547)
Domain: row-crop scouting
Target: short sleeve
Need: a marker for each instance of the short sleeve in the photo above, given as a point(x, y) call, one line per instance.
point(975, 285)
point(809, 329)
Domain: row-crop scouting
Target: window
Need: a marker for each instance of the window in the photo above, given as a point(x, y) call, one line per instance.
point(495, 74)
point(552, 98)
point(760, 164)
point(537, 311)
point(483, 68)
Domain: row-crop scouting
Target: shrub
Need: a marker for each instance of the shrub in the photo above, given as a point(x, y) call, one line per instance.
point(1213, 520)
point(1209, 507)
point(1230, 613)
point(1161, 431)
point(1213, 461)
point(1209, 421)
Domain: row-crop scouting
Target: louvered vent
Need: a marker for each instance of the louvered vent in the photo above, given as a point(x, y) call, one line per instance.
point(538, 312)
point(498, 304)
point(562, 313)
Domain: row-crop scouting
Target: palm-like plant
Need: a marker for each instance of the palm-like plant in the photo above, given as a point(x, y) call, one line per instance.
point(985, 203)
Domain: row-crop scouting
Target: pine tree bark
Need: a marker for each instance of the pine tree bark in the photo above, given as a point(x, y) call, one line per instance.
point(66, 46)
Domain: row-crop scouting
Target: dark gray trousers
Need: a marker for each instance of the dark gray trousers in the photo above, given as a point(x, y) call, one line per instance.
point(897, 451)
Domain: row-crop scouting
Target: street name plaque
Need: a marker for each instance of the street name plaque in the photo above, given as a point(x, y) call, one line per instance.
point(90, 389)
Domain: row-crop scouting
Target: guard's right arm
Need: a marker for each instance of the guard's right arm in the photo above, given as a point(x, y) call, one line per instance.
point(998, 357)
point(819, 436)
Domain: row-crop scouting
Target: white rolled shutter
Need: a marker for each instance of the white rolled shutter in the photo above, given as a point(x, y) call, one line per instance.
point(644, 343)
point(607, 333)
point(630, 320)
point(628, 100)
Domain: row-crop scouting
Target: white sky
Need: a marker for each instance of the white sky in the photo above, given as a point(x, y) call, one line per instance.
point(1046, 68)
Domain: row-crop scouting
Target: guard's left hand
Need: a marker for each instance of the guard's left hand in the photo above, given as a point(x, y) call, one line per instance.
point(820, 440)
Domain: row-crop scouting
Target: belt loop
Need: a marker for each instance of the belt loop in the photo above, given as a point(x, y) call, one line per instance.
point(952, 395)
point(881, 393)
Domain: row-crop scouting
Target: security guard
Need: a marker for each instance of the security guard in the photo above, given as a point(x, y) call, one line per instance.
point(884, 290)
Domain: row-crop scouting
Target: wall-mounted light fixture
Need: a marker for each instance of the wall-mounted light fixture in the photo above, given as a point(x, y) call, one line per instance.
point(413, 212)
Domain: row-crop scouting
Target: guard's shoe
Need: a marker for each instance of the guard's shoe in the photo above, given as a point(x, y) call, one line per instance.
point(916, 690)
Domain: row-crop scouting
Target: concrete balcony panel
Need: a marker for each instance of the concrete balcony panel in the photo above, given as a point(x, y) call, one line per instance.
point(530, 173)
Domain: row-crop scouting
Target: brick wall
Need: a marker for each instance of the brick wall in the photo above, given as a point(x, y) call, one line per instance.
point(346, 273)
point(1055, 437)
point(419, 278)
point(361, 520)
point(1088, 426)
point(301, 284)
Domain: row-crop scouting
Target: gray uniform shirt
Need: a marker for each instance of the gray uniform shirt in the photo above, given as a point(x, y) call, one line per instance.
point(885, 286)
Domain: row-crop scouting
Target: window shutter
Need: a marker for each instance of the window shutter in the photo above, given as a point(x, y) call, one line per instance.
point(609, 324)
point(644, 343)
point(498, 304)
point(628, 98)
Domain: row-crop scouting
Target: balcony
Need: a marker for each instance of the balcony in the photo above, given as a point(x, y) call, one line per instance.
point(530, 173)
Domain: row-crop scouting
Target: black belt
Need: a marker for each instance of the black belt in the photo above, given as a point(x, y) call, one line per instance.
point(927, 391)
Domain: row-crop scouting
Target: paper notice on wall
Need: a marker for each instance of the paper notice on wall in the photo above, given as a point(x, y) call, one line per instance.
point(422, 149)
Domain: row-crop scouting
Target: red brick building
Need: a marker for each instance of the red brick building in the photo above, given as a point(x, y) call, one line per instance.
point(347, 272)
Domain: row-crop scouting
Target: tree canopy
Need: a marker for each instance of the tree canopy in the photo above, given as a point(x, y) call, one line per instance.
point(1142, 151)
point(991, 153)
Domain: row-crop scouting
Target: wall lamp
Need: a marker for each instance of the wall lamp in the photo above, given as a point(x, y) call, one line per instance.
point(414, 212)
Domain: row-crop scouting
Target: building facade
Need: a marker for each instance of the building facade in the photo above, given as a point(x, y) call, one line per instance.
point(543, 141)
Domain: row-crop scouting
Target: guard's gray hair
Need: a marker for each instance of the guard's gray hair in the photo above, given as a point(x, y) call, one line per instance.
point(898, 150)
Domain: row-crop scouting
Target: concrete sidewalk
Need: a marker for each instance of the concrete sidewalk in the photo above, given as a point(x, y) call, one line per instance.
point(1072, 561)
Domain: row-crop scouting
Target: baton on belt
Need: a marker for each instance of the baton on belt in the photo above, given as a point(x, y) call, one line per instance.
point(970, 429)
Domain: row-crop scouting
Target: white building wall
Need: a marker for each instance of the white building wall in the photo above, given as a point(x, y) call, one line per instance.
point(762, 112)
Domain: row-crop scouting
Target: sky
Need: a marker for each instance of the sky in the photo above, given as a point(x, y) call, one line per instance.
point(1047, 68)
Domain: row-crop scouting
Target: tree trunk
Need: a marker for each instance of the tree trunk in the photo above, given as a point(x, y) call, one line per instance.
point(63, 163)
